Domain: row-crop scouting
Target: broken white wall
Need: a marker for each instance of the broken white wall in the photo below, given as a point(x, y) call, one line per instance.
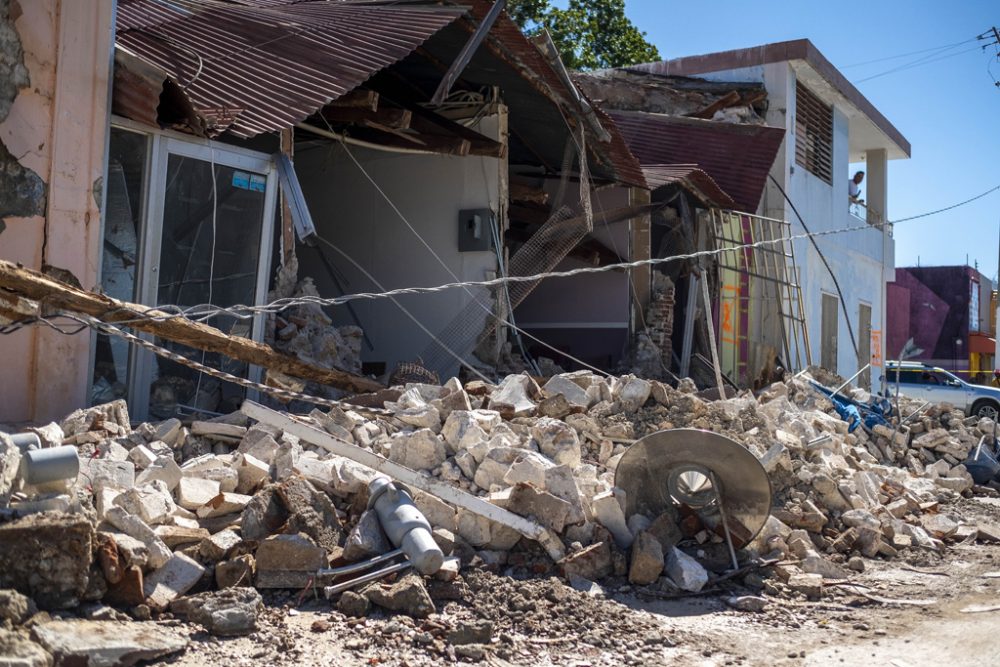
point(429, 190)
point(57, 127)
point(855, 257)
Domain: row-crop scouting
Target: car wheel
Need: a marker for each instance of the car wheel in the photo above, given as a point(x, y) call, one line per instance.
point(986, 409)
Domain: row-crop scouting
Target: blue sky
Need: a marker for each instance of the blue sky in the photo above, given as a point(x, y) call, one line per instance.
point(949, 110)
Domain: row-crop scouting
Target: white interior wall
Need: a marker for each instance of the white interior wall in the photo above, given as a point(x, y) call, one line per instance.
point(429, 190)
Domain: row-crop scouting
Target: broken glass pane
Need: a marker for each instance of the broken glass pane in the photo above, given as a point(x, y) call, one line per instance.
point(126, 178)
point(209, 253)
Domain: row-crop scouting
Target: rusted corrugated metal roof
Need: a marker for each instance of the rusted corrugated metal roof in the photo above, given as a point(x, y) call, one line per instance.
point(692, 178)
point(264, 65)
point(737, 157)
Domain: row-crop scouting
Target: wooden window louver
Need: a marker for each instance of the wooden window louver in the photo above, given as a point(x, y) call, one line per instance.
point(813, 134)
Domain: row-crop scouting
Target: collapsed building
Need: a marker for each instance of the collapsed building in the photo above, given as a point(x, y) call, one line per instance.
point(250, 232)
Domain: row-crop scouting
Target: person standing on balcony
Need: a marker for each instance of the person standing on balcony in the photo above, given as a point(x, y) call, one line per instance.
point(854, 188)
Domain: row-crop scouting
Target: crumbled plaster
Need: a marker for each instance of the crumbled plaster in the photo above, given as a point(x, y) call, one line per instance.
point(22, 191)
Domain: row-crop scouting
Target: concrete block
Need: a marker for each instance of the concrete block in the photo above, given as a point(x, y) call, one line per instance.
point(607, 508)
point(251, 472)
point(135, 527)
point(437, 512)
point(193, 492)
point(151, 502)
point(142, 457)
point(175, 578)
point(646, 564)
point(163, 468)
point(557, 440)
point(685, 571)
point(222, 504)
point(216, 547)
point(418, 450)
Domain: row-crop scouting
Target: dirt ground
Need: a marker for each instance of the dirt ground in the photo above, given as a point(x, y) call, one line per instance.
point(539, 621)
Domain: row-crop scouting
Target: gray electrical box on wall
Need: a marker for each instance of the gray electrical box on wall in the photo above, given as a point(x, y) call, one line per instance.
point(475, 230)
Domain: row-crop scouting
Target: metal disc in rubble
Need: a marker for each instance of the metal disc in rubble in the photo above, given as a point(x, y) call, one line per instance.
point(681, 466)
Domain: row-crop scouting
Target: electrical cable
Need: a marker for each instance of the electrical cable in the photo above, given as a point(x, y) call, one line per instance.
point(927, 60)
point(943, 47)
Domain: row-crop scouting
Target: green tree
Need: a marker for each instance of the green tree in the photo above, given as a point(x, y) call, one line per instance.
point(590, 34)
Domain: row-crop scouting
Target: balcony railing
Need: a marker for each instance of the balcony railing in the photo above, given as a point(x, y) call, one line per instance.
point(862, 212)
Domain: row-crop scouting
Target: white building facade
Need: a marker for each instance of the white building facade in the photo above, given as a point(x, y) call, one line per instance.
point(830, 126)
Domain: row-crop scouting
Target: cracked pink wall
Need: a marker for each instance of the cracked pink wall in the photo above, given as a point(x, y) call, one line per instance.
point(59, 125)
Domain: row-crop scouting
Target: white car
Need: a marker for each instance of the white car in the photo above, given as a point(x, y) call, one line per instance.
point(930, 383)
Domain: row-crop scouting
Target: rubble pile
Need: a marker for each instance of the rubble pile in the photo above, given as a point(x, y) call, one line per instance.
point(194, 519)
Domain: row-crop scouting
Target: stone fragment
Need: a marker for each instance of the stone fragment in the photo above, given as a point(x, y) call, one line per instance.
point(251, 472)
point(193, 492)
point(574, 395)
point(127, 592)
point(353, 604)
point(222, 504)
point(685, 571)
point(607, 508)
point(366, 539)
point(151, 502)
point(751, 603)
point(557, 440)
point(179, 536)
point(632, 393)
point(646, 564)
point(939, 526)
point(97, 472)
point(47, 557)
point(666, 529)
point(810, 585)
point(163, 469)
point(227, 613)
point(285, 559)
point(545, 508)
point(15, 607)
point(445, 539)
point(135, 527)
point(437, 512)
point(263, 515)
point(177, 576)
point(555, 407)
point(473, 528)
point(529, 468)
point(107, 643)
point(239, 571)
point(593, 562)
point(479, 631)
point(418, 450)
point(511, 398)
point(216, 547)
point(407, 596)
point(16, 650)
point(425, 416)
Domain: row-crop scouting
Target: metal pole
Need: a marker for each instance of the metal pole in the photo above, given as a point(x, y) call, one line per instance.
point(330, 591)
point(711, 337)
point(850, 379)
point(725, 523)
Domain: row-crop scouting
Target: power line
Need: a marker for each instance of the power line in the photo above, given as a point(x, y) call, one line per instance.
point(943, 47)
point(946, 208)
point(926, 60)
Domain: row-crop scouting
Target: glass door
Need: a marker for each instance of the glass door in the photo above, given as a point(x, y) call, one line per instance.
point(211, 218)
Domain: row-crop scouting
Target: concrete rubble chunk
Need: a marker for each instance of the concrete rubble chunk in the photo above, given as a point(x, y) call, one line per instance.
point(418, 450)
point(810, 585)
point(646, 564)
point(227, 613)
point(283, 560)
point(575, 395)
point(593, 562)
point(95, 472)
point(608, 512)
point(15, 607)
point(353, 604)
point(685, 571)
point(133, 526)
point(151, 502)
point(16, 650)
point(107, 643)
point(163, 469)
point(529, 501)
point(511, 398)
point(215, 547)
point(176, 537)
point(193, 492)
point(222, 504)
point(407, 596)
point(175, 578)
point(632, 393)
point(557, 441)
point(47, 557)
point(366, 539)
point(239, 571)
point(464, 428)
